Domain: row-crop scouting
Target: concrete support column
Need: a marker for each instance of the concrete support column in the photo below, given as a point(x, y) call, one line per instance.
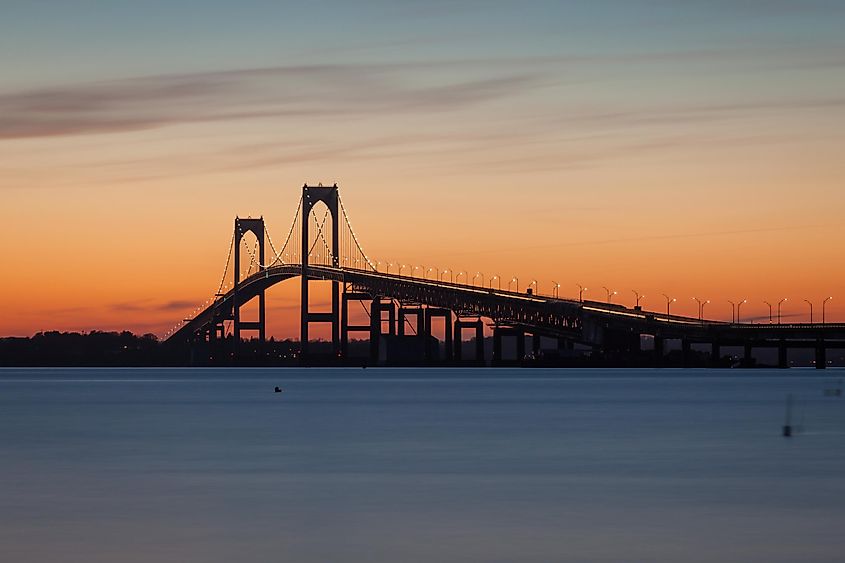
point(345, 327)
point(500, 332)
point(821, 355)
point(686, 351)
point(747, 359)
point(446, 314)
point(783, 355)
point(715, 352)
point(478, 327)
point(658, 349)
point(458, 343)
point(375, 330)
point(405, 312)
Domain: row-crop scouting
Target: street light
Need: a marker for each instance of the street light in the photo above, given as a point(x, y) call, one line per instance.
point(556, 289)
point(422, 269)
point(477, 275)
point(443, 274)
point(669, 301)
point(401, 267)
point(432, 269)
point(701, 305)
point(514, 279)
point(536, 288)
point(770, 311)
point(736, 308)
point(779, 304)
point(808, 302)
point(638, 296)
point(389, 264)
point(498, 282)
point(581, 290)
point(824, 304)
point(378, 263)
point(610, 293)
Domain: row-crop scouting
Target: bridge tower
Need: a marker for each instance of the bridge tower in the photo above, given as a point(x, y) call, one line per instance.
point(242, 227)
point(311, 196)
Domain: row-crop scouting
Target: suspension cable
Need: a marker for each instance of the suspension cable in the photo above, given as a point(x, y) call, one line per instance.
point(352, 232)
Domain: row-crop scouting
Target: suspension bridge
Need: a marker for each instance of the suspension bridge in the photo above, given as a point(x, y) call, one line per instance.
point(326, 248)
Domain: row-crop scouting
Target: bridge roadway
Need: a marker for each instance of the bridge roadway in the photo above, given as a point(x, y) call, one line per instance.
point(599, 325)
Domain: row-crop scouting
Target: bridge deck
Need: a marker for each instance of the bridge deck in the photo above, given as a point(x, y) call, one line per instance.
point(544, 313)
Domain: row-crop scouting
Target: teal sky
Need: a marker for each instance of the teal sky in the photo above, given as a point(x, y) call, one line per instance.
point(48, 42)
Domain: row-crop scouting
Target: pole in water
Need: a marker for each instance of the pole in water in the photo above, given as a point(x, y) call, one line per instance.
point(787, 426)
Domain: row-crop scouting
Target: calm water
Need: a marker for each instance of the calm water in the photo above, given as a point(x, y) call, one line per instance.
point(168, 465)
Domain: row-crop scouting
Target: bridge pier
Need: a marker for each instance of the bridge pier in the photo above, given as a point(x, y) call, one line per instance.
point(747, 358)
point(715, 353)
point(476, 325)
point(686, 351)
point(216, 342)
point(345, 327)
point(446, 314)
point(535, 345)
point(783, 355)
point(405, 312)
point(659, 345)
point(821, 355)
point(498, 333)
point(377, 307)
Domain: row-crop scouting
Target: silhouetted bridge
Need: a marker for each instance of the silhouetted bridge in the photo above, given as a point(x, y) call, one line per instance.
point(334, 254)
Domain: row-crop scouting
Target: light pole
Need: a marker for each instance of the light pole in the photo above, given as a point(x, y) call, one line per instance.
point(458, 276)
point(378, 263)
point(738, 308)
point(610, 293)
point(498, 282)
point(701, 305)
point(556, 289)
point(477, 275)
point(669, 301)
point(514, 279)
point(451, 278)
point(536, 288)
point(810, 303)
point(770, 311)
point(581, 290)
point(824, 304)
point(638, 296)
point(779, 304)
point(401, 267)
point(432, 269)
point(422, 269)
point(389, 264)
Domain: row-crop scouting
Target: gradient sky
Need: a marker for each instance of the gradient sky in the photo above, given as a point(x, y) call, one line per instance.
point(692, 148)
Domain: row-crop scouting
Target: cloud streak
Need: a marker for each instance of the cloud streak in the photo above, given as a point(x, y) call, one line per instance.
point(295, 91)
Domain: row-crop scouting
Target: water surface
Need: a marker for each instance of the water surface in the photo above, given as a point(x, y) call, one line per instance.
point(389, 465)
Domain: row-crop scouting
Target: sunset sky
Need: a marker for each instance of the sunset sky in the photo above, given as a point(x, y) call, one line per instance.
point(689, 148)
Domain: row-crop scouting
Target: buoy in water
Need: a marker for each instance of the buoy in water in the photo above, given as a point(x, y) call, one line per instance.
point(277, 390)
point(787, 424)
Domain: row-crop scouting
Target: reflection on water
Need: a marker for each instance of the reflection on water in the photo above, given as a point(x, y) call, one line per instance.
point(408, 465)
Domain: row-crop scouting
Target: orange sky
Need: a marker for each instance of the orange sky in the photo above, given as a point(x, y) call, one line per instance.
point(683, 165)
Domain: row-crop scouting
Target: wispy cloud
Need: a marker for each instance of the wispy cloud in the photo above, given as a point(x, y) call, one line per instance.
point(305, 91)
point(150, 305)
